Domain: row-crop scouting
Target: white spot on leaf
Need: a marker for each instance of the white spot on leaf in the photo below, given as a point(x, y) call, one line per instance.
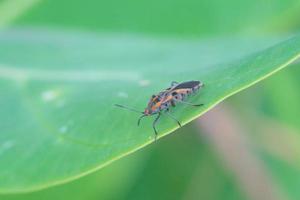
point(144, 83)
point(63, 129)
point(6, 145)
point(49, 95)
point(122, 95)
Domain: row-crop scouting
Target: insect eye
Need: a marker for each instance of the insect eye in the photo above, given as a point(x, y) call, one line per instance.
point(174, 93)
point(153, 96)
point(156, 100)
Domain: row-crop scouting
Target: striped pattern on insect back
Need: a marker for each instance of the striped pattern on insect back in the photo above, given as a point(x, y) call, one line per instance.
point(168, 97)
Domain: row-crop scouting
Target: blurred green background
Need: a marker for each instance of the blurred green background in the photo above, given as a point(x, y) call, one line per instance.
point(192, 163)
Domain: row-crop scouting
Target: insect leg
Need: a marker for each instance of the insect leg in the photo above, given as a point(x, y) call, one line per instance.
point(139, 121)
point(172, 117)
point(153, 125)
point(173, 103)
point(188, 103)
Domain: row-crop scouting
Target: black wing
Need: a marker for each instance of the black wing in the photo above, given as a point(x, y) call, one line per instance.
point(187, 85)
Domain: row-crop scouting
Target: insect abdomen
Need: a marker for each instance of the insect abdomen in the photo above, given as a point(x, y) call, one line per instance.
point(181, 93)
point(165, 105)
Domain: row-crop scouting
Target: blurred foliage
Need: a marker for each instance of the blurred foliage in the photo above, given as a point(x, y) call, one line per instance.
point(271, 116)
point(276, 99)
point(184, 18)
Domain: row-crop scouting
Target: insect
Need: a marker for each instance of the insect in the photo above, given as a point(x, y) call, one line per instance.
point(176, 93)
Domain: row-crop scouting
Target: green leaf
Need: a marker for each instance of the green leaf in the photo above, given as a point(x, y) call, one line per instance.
point(182, 165)
point(58, 89)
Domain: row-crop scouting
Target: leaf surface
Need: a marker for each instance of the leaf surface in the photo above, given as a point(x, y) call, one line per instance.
point(58, 89)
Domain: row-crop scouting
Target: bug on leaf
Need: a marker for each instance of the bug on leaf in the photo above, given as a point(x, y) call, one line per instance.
point(177, 93)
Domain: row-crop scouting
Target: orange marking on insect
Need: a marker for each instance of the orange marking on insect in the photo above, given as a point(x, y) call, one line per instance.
point(167, 98)
point(157, 105)
point(182, 91)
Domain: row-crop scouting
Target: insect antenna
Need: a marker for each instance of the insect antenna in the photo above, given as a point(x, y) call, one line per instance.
point(139, 121)
point(128, 108)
